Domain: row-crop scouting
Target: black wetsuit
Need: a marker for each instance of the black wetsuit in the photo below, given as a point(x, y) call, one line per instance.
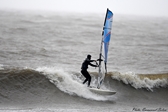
point(85, 72)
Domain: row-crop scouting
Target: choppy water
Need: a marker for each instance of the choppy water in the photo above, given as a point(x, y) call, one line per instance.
point(41, 56)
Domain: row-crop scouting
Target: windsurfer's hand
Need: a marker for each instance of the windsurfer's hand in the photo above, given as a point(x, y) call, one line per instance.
point(97, 65)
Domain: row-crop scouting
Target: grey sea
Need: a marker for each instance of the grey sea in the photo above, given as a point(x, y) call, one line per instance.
point(41, 55)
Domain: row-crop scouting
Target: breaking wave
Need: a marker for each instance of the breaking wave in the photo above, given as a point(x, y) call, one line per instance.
point(148, 81)
point(55, 83)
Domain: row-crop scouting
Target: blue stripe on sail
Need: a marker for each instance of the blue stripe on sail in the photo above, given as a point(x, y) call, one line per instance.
point(106, 44)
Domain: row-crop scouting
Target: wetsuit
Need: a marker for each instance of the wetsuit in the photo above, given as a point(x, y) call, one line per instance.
point(85, 72)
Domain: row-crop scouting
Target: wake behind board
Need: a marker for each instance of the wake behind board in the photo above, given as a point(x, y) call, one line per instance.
point(102, 92)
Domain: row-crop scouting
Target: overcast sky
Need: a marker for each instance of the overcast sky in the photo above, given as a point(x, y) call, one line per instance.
point(135, 7)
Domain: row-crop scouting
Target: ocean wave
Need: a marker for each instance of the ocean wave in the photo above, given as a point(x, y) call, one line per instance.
point(57, 74)
point(148, 81)
point(22, 83)
point(26, 21)
point(1, 67)
point(69, 83)
point(18, 82)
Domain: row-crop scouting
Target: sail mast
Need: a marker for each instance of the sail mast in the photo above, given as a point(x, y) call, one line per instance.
point(103, 34)
point(106, 34)
point(100, 55)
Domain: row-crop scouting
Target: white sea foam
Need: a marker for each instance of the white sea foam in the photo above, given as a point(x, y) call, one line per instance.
point(134, 80)
point(69, 83)
point(1, 67)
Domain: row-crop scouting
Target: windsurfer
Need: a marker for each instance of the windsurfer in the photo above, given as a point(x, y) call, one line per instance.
point(84, 68)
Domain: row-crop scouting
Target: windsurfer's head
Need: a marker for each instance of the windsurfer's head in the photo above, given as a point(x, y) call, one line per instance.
point(89, 56)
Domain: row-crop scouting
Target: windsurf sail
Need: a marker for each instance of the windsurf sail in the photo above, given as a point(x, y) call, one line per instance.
point(106, 35)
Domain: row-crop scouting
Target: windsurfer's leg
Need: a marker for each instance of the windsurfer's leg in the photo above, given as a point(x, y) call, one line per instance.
point(89, 79)
point(84, 73)
point(85, 81)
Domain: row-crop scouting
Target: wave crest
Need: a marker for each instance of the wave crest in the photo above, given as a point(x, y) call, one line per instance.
point(148, 81)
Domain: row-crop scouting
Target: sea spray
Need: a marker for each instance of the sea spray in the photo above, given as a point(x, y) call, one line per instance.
point(69, 83)
point(137, 82)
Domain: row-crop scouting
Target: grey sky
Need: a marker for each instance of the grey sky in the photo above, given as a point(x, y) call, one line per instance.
point(136, 7)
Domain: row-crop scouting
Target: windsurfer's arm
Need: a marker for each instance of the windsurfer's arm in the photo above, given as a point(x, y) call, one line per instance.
point(91, 60)
point(93, 64)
